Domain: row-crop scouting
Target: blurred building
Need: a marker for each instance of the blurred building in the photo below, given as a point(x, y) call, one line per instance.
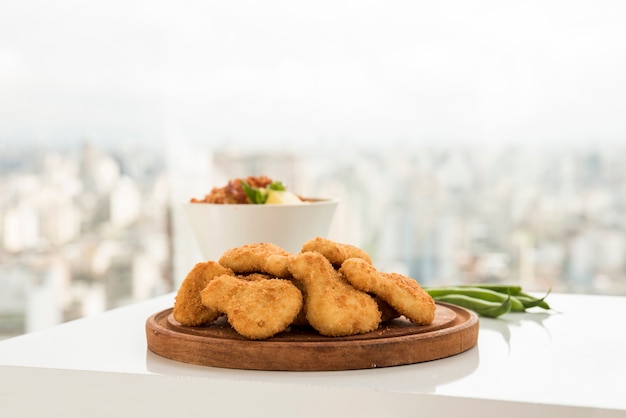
point(87, 229)
point(82, 230)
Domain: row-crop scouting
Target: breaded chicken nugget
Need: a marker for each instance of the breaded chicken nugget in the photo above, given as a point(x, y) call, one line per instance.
point(255, 309)
point(335, 252)
point(332, 306)
point(404, 294)
point(188, 308)
point(261, 257)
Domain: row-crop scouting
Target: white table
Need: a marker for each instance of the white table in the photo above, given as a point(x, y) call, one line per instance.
point(567, 364)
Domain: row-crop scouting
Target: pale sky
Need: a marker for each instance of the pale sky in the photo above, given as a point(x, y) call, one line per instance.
point(272, 71)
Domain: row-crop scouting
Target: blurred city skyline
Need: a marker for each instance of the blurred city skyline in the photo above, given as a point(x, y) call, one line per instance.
point(85, 229)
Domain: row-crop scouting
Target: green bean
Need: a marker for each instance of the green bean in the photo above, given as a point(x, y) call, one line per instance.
point(478, 293)
point(507, 289)
point(481, 307)
point(530, 301)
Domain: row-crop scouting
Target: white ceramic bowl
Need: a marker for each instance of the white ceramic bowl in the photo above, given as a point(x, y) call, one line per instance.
point(220, 227)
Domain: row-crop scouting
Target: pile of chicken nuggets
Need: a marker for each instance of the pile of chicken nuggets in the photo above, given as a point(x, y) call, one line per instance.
point(329, 286)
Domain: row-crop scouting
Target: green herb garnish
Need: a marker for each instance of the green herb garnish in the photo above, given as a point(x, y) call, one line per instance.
point(255, 194)
point(277, 185)
point(258, 195)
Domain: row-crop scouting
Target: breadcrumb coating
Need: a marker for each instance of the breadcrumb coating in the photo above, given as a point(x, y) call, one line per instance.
point(332, 306)
point(188, 307)
point(335, 252)
point(404, 294)
point(256, 309)
point(261, 257)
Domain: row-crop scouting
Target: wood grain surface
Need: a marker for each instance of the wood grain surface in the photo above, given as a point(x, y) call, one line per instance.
point(394, 343)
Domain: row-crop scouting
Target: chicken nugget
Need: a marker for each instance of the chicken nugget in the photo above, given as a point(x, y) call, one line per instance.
point(255, 309)
point(262, 257)
point(188, 308)
point(332, 306)
point(404, 294)
point(335, 252)
point(253, 277)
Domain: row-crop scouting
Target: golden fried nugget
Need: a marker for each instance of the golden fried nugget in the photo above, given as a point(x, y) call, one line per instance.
point(335, 252)
point(255, 309)
point(332, 306)
point(404, 294)
point(188, 308)
point(257, 258)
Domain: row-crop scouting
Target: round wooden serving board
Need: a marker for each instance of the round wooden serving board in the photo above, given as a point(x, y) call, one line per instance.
point(394, 343)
